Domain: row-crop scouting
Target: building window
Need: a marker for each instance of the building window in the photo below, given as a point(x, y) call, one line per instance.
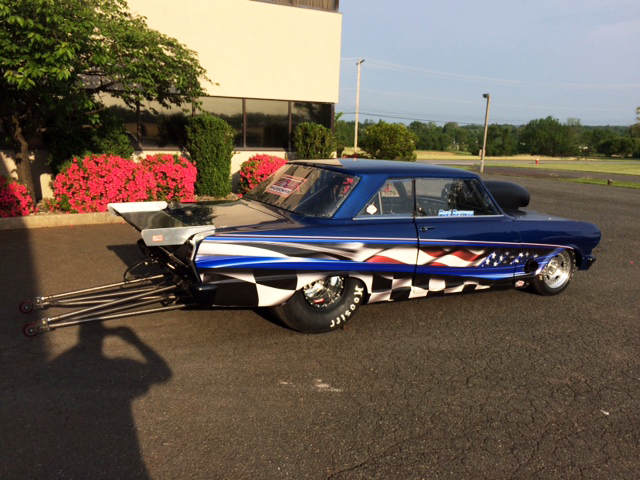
point(259, 124)
point(228, 109)
point(267, 124)
point(310, 112)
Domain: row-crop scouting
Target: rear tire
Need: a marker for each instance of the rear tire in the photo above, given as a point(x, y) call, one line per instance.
point(556, 275)
point(322, 306)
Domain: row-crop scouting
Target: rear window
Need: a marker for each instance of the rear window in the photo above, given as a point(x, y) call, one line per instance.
point(305, 190)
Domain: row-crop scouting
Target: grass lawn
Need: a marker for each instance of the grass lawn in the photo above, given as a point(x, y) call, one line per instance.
point(600, 181)
point(575, 164)
point(632, 168)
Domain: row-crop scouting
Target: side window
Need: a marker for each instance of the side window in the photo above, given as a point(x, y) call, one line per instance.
point(394, 198)
point(452, 197)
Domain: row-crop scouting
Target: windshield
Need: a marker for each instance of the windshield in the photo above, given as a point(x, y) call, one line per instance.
point(306, 190)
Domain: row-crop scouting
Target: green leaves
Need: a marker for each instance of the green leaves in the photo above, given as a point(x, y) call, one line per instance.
point(312, 140)
point(391, 141)
point(56, 56)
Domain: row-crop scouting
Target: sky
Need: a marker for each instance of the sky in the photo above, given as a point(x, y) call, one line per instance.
point(433, 61)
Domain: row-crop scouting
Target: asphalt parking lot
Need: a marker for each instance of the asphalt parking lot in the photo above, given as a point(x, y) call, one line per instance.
point(489, 385)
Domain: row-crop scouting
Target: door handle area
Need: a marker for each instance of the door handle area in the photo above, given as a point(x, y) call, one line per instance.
point(425, 228)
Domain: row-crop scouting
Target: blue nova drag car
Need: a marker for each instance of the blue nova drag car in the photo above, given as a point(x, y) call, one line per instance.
point(322, 237)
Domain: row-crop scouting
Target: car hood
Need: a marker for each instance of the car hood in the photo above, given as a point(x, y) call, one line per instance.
point(160, 223)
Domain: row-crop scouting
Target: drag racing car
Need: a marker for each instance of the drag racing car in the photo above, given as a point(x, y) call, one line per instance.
point(320, 238)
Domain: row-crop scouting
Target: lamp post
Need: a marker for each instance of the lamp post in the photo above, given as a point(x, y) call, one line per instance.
point(355, 140)
point(486, 125)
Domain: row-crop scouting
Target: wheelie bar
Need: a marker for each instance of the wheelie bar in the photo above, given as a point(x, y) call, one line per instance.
point(106, 302)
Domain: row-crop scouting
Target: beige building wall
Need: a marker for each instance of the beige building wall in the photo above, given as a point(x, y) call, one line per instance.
point(255, 49)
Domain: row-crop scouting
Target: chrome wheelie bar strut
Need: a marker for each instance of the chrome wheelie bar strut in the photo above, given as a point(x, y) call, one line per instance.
point(158, 293)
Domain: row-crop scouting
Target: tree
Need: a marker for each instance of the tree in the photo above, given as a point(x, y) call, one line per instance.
point(428, 135)
point(502, 140)
point(548, 137)
point(391, 141)
point(634, 130)
point(56, 56)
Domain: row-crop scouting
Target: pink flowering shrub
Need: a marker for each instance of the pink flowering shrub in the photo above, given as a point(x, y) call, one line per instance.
point(174, 177)
point(257, 169)
point(90, 184)
point(15, 200)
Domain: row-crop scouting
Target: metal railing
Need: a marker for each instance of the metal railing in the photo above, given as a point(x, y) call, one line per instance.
point(329, 5)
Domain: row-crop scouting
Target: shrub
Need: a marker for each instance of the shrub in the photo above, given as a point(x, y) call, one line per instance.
point(15, 200)
point(258, 168)
point(90, 184)
point(109, 136)
point(390, 141)
point(174, 177)
point(312, 140)
point(210, 143)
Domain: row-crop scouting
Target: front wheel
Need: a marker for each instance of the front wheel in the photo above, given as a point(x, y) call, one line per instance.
point(556, 275)
point(323, 305)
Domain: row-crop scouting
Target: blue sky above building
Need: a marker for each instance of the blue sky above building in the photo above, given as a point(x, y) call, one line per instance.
point(432, 61)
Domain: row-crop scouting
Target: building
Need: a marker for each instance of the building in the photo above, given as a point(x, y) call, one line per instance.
point(272, 64)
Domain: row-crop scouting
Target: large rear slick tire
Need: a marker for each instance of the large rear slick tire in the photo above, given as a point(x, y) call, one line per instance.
point(323, 305)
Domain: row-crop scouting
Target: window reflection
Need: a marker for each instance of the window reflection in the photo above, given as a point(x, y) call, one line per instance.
point(267, 124)
point(230, 110)
point(258, 123)
point(310, 112)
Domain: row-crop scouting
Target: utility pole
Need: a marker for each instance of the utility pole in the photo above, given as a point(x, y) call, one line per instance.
point(355, 140)
point(486, 125)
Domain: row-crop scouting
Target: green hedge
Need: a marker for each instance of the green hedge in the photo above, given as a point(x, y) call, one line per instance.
point(390, 141)
point(210, 143)
point(312, 140)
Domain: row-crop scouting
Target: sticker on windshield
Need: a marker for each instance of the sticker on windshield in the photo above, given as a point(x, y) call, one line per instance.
point(455, 213)
point(286, 185)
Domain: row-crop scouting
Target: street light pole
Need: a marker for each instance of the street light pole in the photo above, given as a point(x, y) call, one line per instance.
point(355, 140)
point(486, 125)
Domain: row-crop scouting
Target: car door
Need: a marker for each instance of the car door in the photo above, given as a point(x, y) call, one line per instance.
point(465, 242)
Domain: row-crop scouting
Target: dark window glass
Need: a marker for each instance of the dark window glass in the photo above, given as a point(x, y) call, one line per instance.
point(453, 197)
point(157, 125)
point(311, 112)
point(230, 110)
point(267, 124)
point(315, 192)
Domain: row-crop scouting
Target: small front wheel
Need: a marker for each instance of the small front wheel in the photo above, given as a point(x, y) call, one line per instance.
point(26, 306)
point(30, 329)
point(323, 305)
point(556, 275)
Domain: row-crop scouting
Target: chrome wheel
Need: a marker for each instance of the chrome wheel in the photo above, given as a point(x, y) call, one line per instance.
point(324, 293)
point(558, 271)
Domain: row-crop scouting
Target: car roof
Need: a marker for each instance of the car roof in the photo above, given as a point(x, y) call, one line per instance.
point(360, 166)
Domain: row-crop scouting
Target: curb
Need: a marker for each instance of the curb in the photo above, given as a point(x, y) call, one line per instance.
point(58, 220)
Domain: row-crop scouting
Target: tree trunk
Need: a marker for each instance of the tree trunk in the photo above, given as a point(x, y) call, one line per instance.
point(21, 152)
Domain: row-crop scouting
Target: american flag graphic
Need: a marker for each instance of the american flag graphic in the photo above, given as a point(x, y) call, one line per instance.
point(503, 258)
point(451, 257)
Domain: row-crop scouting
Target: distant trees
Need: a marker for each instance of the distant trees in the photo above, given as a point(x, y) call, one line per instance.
point(545, 136)
point(548, 136)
